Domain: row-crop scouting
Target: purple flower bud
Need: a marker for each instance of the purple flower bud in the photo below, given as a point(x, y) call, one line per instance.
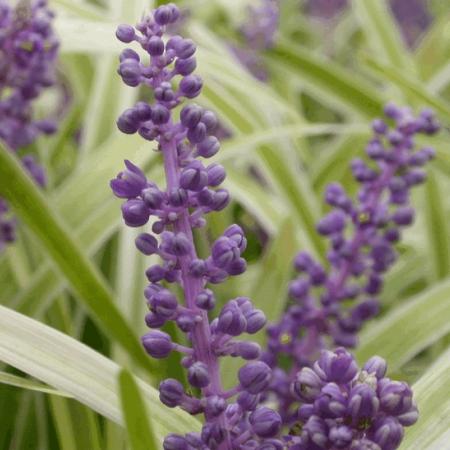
point(220, 200)
point(395, 396)
point(153, 320)
point(129, 53)
point(155, 273)
point(216, 174)
point(255, 377)
point(191, 86)
point(388, 433)
point(231, 320)
point(135, 213)
point(186, 66)
point(198, 375)
point(317, 431)
point(194, 177)
point(130, 71)
point(299, 288)
point(403, 216)
point(155, 46)
point(197, 134)
point(128, 122)
point(366, 310)
point(341, 436)
point(160, 114)
point(307, 385)
point(236, 234)
point(331, 403)
point(338, 366)
point(198, 268)
point(208, 147)
point(180, 245)
point(185, 48)
point(265, 422)
point(377, 366)
point(146, 244)
point(186, 322)
point(210, 121)
point(256, 320)
point(157, 344)
point(178, 197)
point(206, 300)
point(334, 222)
point(364, 444)
point(190, 115)
point(213, 434)
point(247, 350)
point(224, 252)
point(303, 262)
point(215, 406)
point(164, 303)
point(152, 197)
point(379, 126)
point(248, 402)
point(175, 442)
point(363, 403)
point(163, 15)
point(125, 33)
point(171, 392)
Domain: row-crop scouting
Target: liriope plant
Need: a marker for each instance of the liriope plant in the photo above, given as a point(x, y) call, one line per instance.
point(341, 406)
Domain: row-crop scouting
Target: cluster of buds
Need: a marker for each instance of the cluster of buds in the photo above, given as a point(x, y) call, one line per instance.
point(28, 52)
point(259, 33)
point(330, 306)
point(28, 49)
point(234, 418)
point(346, 408)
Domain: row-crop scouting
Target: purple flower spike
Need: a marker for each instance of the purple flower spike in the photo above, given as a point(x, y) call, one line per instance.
point(28, 54)
point(333, 305)
point(349, 414)
point(193, 190)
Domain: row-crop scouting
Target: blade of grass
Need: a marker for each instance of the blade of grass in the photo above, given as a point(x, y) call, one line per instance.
point(140, 433)
point(438, 230)
point(70, 366)
point(31, 206)
point(409, 328)
point(409, 86)
point(432, 431)
point(332, 80)
point(25, 383)
point(382, 32)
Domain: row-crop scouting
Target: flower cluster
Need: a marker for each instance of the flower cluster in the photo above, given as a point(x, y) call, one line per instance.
point(28, 52)
point(28, 49)
point(234, 419)
point(344, 408)
point(329, 307)
point(258, 33)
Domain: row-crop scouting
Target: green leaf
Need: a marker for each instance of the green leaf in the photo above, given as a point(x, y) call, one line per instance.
point(31, 206)
point(408, 329)
point(25, 383)
point(327, 77)
point(140, 434)
point(437, 228)
point(274, 272)
point(72, 367)
point(432, 431)
point(382, 32)
point(409, 86)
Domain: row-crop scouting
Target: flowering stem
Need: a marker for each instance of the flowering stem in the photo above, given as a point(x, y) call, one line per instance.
point(201, 335)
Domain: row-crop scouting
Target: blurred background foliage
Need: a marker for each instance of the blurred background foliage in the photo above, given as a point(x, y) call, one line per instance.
point(75, 267)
